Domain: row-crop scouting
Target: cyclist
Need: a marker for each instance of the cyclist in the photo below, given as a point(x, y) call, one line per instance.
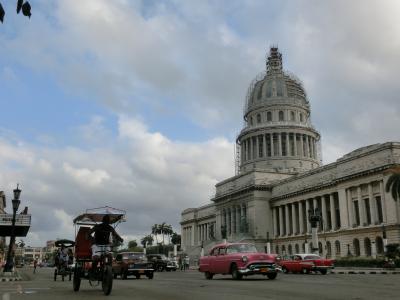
point(103, 233)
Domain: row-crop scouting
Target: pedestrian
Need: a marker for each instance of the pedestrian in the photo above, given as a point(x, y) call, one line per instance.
point(34, 266)
point(180, 263)
point(186, 262)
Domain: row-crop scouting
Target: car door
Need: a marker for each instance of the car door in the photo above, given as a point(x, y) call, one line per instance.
point(220, 261)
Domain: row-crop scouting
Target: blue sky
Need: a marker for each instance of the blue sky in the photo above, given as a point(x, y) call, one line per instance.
point(137, 104)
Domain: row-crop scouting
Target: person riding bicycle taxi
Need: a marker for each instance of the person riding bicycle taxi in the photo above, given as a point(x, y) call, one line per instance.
point(103, 233)
point(62, 255)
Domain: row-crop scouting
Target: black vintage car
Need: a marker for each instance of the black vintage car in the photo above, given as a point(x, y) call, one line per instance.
point(160, 261)
point(132, 263)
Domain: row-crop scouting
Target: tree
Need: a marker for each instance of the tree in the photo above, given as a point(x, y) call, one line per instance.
point(155, 230)
point(393, 183)
point(25, 7)
point(162, 228)
point(132, 244)
point(175, 238)
point(147, 240)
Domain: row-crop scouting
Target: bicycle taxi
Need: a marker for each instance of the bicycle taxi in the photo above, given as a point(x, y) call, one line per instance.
point(102, 273)
point(63, 259)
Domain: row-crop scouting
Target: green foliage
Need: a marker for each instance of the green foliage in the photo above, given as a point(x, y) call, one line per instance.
point(176, 239)
point(393, 183)
point(393, 250)
point(132, 244)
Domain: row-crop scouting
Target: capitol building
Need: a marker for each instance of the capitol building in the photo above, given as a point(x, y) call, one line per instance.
point(280, 178)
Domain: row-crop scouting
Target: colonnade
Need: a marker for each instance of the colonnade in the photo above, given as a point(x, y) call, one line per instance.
point(234, 219)
point(278, 144)
point(204, 231)
point(292, 218)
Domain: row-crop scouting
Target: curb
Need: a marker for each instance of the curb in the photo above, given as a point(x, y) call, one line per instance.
point(366, 272)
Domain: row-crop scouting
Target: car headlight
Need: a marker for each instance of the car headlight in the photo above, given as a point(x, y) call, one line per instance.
point(244, 258)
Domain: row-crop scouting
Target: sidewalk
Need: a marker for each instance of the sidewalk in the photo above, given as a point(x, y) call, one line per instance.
point(360, 270)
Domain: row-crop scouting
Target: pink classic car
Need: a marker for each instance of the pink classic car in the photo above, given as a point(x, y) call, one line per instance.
point(306, 263)
point(238, 259)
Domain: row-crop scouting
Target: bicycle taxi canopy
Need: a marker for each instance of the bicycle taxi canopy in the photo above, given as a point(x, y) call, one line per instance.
point(95, 215)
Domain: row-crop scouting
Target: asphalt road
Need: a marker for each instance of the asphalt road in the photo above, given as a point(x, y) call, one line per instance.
point(191, 285)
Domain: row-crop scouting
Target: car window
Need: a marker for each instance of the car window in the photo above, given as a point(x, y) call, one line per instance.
point(214, 251)
point(222, 251)
point(312, 257)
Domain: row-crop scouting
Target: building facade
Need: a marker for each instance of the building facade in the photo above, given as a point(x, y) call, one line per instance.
point(281, 177)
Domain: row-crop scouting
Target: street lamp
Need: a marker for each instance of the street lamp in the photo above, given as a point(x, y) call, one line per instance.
point(15, 204)
point(314, 217)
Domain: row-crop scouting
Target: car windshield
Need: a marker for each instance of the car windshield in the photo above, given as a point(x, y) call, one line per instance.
point(241, 248)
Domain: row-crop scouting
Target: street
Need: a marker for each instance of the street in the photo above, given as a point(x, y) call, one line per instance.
point(192, 285)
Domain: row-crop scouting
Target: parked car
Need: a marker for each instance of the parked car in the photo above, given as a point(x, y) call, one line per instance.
point(238, 259)
point(132, 263)
point(306, 263)
point(160, 261)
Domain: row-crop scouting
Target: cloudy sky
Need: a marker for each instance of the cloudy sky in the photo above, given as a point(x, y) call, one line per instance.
point(136, 104)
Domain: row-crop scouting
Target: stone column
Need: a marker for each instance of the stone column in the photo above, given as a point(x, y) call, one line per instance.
point(251, 149)
point(287, 227)
point(264, 145)
point(350, 208)
point(324, 214)
point(383, 201)
point(307, 152)
point(361, 207)
point(302, 145)
point(279, 144)
point(295, 143)
point(294, 223)
point(333, 211)
point(281, 221)
point(257, 154)
point(237, 218)
point(287, 144)
point(274, 220)
point(301, 220)
point(372, 205)
point(271, 136)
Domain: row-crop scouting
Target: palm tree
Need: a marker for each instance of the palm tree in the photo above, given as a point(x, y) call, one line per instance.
point(168, 232)
point(162, 229)
point(393, 183)
point(147, 240)
point(155, 231)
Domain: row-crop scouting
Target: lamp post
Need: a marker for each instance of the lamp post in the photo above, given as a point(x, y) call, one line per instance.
point(15, 204)
point(314, 217)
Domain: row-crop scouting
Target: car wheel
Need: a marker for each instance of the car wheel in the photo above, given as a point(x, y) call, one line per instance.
point(150, 276)
point(77, 280)
point(55, 275)
point(208, 275)
point(285, 270)
point(324, 271)
point(305, 271)
point(272, 275)
point(235, 273)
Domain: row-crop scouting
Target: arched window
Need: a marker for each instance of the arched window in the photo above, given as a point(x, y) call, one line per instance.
point(280, 115)
point(304, 247)
point(292, 116)
point(269, 116)
point(258, 118)
point(290, 250)
point(283, 250)
point(320, 248)
point(277, 249)
point(367, 246)
point(337, 249)
point(328, 249)
point(297, 248)
point(356, 247)
point(379, 245)
point(251, 121)
point(301, 117)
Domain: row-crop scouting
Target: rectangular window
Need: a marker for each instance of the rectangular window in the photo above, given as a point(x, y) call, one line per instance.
point(329, 220)
point(379, 208)
point(367, 211)
point(356, 212)
point(337, 211)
